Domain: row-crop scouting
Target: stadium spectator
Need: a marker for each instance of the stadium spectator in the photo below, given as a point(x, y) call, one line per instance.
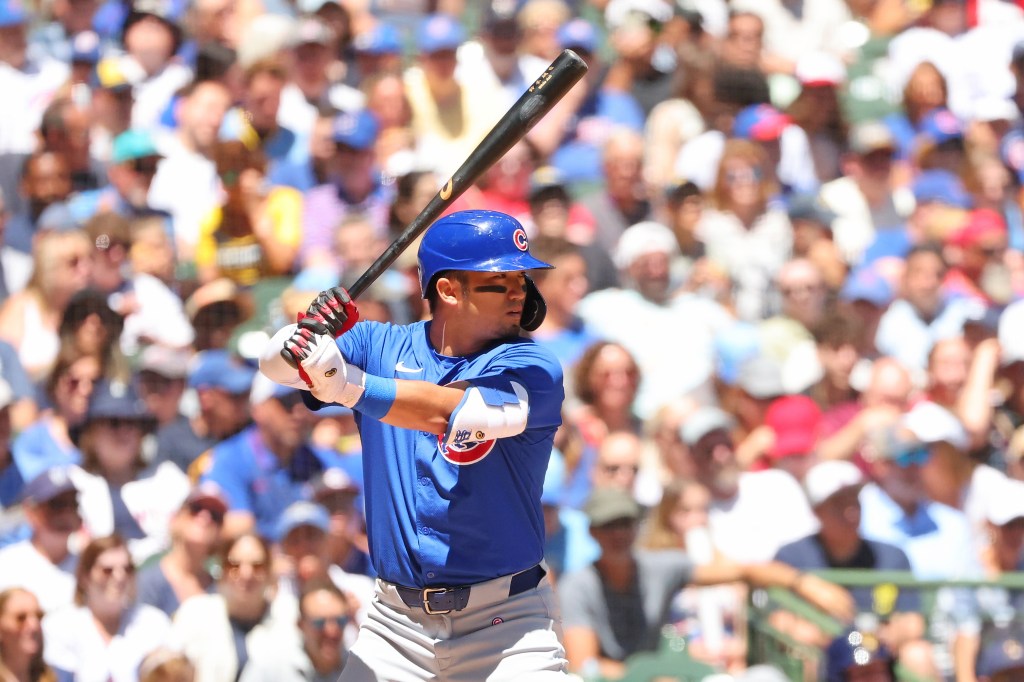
point(21, 637)
point(43, 563)
point(108, 632)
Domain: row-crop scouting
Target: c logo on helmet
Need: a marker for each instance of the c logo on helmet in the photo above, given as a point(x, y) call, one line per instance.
point(467, 453)
point(520, 240)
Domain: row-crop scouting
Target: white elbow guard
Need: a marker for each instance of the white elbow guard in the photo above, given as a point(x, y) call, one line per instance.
point(274, 366)
point(484, 415)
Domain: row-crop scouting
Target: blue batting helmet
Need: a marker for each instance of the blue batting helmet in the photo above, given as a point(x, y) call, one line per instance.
point(477, 241)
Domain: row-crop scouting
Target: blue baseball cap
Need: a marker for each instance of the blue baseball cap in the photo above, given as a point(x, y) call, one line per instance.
point(357, 130)
point(1002, 650)
point(866, 284)
point(382, 39)
point(853, 649)
point(439, 32)
point(577, 34)
point(940, 186)
point(13, 13)
point(217, 368)
point(85, 47)
point(133, 144)
point(941, 125)
point(302, 513)
point(760, 122)
point(48, 485)
point(116, 400)
point(735, 345)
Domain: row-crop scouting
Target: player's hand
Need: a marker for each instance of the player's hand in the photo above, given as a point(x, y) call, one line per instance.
point(335, 310)
point(321, 365)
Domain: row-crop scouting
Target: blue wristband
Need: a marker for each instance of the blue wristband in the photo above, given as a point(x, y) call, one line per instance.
point(378, 396)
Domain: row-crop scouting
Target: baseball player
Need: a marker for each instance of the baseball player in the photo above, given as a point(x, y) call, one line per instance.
point(457, 417)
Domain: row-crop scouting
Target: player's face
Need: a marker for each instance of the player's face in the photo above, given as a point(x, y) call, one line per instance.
point(493, 302)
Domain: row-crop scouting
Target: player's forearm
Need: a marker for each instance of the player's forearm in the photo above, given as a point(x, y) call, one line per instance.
point(422, 406)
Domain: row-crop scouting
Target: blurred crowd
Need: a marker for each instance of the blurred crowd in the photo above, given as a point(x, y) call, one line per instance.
point(789, 250)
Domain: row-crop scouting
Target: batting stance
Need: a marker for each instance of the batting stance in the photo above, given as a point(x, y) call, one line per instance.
point(457, 417)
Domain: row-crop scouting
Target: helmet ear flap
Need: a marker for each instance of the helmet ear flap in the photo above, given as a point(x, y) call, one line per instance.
point(534, 307)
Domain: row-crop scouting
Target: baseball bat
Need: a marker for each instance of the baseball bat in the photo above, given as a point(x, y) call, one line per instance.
point(552, 85)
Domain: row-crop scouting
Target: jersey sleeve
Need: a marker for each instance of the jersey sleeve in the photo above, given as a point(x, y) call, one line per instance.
point(535, 369)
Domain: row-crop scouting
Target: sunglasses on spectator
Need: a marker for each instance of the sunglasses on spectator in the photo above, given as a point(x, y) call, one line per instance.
point(109, 570)
point(197, 508)
point(259, 568)
point(918, 456)
point(747, 175)
point(616, 468)
point(321, 623)
point(145, 166)
point(291, 400)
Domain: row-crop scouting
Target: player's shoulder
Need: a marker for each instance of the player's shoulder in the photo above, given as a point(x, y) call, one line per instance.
point(525, 352)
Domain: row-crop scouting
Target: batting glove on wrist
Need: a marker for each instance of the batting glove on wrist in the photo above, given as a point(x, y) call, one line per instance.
point(322, 367)
point(335, 310)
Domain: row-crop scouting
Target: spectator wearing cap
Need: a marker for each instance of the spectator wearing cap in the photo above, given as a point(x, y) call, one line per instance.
point(112, 102)
point(188, 168)
point(1002, 553)
point(60, 37)
point(866, 296)
point(311, 53)
point(378, 49)
point(857, 655)
point(43, 562)
point(152, 37)
point(133, 165)
point(923, 315)
point(215, 309)
point(31, 81)
point(448, 118)
point(563, 332)
point(650, 307)
point(832, 489)
point(574, 134)
point(267, 466)
point(759, 382)
point(45, 180)
point(896, 507)
point(221, 383)
point(352, 189)
point(940, 144)
point(257, 230)
point(618, 605)
point(1001, 655)
point(119, 493)
point(813, 237)
point(816, 109)
point(977, 255)
point(744, 232)
point(505, 59)
point(862, 197)
point(752, 514)
point(302, 547)
point(182, 572)
point(338, 492)
point(325, 613)
point(794, 422)
point(161, 377)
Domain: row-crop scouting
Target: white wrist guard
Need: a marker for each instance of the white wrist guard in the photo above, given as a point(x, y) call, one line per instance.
point(332, 380)
point(475, 420)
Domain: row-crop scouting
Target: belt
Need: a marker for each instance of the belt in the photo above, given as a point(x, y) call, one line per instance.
point(440, 600)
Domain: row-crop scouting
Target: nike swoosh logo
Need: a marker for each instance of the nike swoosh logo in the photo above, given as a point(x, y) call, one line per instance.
point(400, 367)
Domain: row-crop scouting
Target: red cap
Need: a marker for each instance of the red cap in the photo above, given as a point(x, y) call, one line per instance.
point(982, 224)
point(795, 419)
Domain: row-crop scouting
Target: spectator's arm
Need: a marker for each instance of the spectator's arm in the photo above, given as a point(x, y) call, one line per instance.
point(974, 408)
point(849, 439)
point(903, 628)
point(12, 320)
point(582, 647)
point(965, 653)
point(279, 229)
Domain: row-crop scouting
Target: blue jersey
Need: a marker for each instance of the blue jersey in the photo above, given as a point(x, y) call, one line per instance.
point(440, 516)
